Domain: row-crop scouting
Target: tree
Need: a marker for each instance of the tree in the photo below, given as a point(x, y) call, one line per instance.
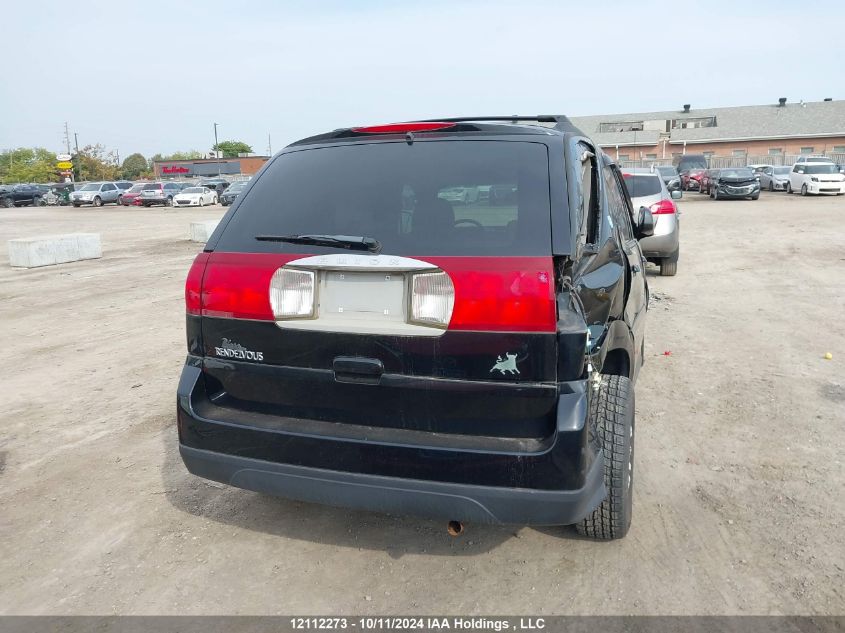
point(28, 165)
point(94, 163)
point(231, 149)
point(133, 166)
point(189, 155)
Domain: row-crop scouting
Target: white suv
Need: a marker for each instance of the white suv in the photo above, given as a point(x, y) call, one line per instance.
point(816, 177)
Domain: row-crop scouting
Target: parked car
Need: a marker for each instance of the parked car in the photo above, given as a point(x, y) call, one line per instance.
point(218, 184)
point(132, 196)
point(709, 176)
point(476, 370)
point(691, 167)
point(816, 177)
point(462, 195)
point(734, 182)
point(159, 193)
point(232, 192)
point(96, 194)
point(774, 178)
point(22, 195)
point(647, 189)
point(195, 197)
point(671, 177)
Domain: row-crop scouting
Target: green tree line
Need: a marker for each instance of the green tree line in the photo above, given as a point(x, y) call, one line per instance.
point(95, 162)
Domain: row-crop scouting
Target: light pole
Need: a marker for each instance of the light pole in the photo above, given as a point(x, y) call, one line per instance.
point(216, 150)
point(78, 157)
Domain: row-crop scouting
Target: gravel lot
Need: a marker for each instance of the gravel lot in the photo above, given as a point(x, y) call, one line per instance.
point(739, 504)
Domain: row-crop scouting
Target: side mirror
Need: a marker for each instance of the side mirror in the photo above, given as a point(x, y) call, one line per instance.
point(645, 224)
point(676, 194)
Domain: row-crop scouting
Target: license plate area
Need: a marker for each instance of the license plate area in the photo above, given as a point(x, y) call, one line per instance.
point(355, 297)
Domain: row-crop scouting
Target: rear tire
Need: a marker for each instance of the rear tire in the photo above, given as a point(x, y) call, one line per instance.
point(8, 203)
point(169, 201)
point(669, 265)
point(714, 194)
point(611, 420)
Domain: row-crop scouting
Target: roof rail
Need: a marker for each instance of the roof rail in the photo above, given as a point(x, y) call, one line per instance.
point(561, 121)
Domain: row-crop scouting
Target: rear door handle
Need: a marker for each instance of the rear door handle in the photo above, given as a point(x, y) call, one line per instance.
point(356, 369)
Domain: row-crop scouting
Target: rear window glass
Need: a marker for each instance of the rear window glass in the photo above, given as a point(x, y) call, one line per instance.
point(152, 187)
point(642, 185)
point(428, 198)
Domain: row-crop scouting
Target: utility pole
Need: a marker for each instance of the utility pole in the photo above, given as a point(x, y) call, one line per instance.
point(67, 138)
point(269, 145)
point(216, 150)
point(78, 159)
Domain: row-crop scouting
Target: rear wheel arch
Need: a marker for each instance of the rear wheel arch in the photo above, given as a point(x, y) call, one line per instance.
point(617, 362)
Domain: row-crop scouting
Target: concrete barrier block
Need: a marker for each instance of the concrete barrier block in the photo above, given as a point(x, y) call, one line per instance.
point(201, 231)
point(47, 250)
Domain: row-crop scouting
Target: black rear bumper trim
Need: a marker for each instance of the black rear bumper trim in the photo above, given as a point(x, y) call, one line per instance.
point(432, 499)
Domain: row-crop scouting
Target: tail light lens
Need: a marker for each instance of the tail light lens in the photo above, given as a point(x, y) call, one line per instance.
point(432, 299)
point(663, 207)
point(193, 285)
point(292, 294)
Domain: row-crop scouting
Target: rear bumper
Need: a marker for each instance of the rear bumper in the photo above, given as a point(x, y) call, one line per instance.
point(555, 481)
point(437, 500)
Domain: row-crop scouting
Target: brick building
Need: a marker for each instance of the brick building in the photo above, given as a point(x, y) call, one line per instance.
point(206, 167)
point(773, 133)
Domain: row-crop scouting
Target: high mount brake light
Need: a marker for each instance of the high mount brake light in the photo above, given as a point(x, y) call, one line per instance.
point(401, 128)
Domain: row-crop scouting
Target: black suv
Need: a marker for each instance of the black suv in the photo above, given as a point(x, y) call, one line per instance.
point(23, 195)
point(356, 339)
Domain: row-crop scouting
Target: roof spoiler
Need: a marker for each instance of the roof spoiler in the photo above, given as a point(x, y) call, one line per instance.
point(561, 121)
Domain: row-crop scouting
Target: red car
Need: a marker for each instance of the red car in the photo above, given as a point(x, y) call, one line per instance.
point(691, 168)
point(131, 196)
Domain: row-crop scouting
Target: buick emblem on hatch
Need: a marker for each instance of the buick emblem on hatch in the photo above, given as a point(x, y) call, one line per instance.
point(230, 349)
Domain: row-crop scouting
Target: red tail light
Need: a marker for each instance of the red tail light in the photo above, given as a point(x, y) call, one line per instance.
point(492, 294)
point(663, 207)
point(193, 285)
point(401, 128)
point(501, 294)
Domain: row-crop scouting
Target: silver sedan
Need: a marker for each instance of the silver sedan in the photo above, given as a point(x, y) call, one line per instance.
point(773, 178)
point(647, 189)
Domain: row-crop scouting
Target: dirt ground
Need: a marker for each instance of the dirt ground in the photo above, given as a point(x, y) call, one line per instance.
point(739, 504)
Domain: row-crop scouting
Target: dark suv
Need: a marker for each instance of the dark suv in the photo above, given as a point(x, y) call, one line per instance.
point(356, 339)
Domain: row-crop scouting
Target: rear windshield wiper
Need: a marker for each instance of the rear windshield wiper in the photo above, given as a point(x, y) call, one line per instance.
point(349, 242)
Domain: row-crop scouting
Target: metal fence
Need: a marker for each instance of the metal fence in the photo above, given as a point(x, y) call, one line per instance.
point(720, 162)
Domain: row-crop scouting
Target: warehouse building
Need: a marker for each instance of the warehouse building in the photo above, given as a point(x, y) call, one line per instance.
point(206, 167)
point(774, 133)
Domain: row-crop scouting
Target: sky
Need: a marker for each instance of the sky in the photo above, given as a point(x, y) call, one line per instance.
point(154, 77)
